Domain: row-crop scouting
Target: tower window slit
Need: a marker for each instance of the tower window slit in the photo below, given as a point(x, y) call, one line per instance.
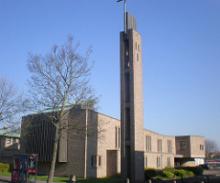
point(127, 87)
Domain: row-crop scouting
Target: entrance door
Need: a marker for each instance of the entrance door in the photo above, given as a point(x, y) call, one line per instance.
point(111, 162)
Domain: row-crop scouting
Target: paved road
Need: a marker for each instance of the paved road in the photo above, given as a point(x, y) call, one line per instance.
point(215, 172)
point(4, 179)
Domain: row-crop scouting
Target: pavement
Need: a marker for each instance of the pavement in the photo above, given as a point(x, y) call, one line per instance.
point(5, 179)
point(215, 172)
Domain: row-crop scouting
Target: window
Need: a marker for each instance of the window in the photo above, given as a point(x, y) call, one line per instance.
point(201, 147)
point(127, 120)
point(145, 163)
point(137, 57)
point(96, 161)
point(127, 64)
point(93, 161)
point(158, 162)
point(117, 137)
point(100, 160)
point(169, 146)
point(159, 145)
point(127, 87)
point(168, 162)
point(182, 145)
point(148, 143)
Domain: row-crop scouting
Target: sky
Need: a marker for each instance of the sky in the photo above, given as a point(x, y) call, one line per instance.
point(181, 54)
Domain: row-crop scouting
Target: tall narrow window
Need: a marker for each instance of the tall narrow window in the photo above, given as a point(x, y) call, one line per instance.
point(148, 143)
point(127, 121)
point(127, 63)
point(96, 161)
point(93, 161)
point(182, 145)
point(169, 146)
point(127, 87)
point(145, 162)
point(100, 161)
point(168, 162)
point(158, 162)
point(119, 137)
point(159, 145)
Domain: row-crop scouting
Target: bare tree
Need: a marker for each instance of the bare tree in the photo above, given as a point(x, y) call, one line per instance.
point(59, 79)
point(210, 147)
point(10, 104)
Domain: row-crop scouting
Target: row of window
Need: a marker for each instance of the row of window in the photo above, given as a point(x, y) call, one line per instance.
point(159, 145)
point(201, 147)
point(183, 146)
point(159, 162)
point(96, 161)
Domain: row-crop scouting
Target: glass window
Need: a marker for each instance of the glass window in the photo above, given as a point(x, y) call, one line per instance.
point(182, 145)
point(96, 161)
point(159, 145)
point(201, 147)
point(100, 160)
point(158, 162)
point(148, 143)
point(145, 162)
point(117, 137)
point(168, 162)
point(169, 146)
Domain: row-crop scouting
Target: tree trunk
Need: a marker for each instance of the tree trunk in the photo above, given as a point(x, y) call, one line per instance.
point(54, 156)
point(56, 140)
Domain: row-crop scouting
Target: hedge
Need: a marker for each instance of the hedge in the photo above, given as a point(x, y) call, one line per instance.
point(4, 167)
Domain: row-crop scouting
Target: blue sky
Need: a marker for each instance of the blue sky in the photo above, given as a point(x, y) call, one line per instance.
point(181, 43)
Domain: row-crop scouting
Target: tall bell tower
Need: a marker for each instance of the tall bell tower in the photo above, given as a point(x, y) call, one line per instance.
point(132, 117)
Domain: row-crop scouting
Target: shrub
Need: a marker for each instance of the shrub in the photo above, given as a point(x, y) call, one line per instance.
point(184, 173)
point(151, 173)
point(180, 173)
point(172, 170)
point(4, 167)
point(168, 174)
point(196, 170)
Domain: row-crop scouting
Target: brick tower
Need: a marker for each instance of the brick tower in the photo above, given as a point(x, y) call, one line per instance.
point(132, 120)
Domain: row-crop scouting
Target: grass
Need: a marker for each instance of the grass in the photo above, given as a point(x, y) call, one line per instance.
point(65, 179)
point(5, 174)
point(55, 179)
point(101, 180)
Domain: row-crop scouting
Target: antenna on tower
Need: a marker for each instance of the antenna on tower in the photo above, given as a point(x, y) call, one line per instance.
point(125, 14)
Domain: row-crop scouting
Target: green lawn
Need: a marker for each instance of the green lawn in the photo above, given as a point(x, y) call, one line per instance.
point(55, 179)
point(5, 174)
point(65, 179)
point(103, 180)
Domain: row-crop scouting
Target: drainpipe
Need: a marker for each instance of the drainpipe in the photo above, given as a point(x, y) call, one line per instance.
point(86, 142)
